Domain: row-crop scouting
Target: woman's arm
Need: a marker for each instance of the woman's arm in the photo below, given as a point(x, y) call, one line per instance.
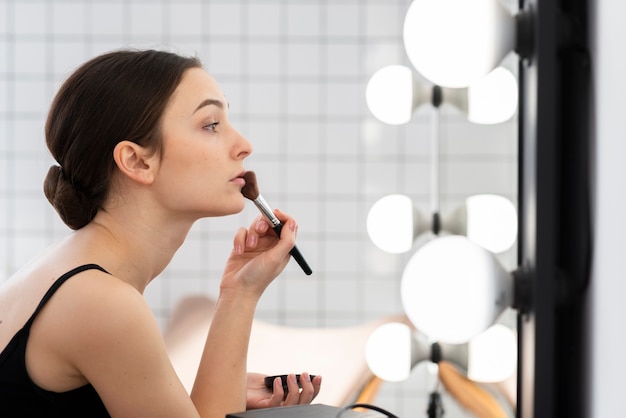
point(258, 256)
point(220, 384)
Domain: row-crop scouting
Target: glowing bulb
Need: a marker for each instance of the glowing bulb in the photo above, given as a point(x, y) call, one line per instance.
point(493, 98)
point(491, 222)
point(390, 223)
point(389, 94)
point(454, 43)
point(492, 355)
point(453, 289)
point(488, 220)
point(388, 352)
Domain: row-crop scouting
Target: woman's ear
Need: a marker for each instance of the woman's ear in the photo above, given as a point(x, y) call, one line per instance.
point(135, 161)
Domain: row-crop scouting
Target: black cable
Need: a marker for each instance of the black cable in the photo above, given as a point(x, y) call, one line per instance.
point(366, 406)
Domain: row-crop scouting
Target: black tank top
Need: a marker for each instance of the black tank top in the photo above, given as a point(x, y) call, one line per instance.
point(21, 397)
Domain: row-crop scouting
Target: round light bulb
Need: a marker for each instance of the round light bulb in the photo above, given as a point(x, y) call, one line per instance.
point(493, 98)
point(388, 352)
point(389, 94)
point(492, 355)
point(491, 222)
point(454, 43)
point(390, 223)
point(453, 289)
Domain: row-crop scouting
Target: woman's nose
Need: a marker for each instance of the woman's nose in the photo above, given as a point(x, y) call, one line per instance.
point(244, 147)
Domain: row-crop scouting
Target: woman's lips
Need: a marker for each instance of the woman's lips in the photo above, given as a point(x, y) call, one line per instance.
point(238, 179)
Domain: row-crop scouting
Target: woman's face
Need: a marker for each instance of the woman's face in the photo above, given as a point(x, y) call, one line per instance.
point(203, 155)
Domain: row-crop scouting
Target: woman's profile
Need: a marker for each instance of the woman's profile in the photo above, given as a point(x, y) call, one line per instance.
point(144, 148)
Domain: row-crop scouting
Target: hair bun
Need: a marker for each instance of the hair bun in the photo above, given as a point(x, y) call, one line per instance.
point(65, 199)
point(53, 182)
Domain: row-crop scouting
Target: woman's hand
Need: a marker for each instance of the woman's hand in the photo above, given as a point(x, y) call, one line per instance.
point(259, 396)
point(258, 255)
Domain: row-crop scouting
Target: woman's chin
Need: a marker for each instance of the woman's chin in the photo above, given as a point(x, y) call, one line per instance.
point(225, 210)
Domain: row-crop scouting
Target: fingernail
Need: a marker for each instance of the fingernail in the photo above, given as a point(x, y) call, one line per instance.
point(238, 249)
point(251, 242)
point(293, 225)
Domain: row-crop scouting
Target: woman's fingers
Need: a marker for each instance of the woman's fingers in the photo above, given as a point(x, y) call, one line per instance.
point(258, 255)
point(289, 229)
point(261, 227)
point(303, 392)
point(278, 394)
point(293, 394)
point(308, 391)
point(239, 241)
point(249, 238)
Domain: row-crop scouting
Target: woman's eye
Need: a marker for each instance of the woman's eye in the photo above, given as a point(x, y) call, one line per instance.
point(211, 126)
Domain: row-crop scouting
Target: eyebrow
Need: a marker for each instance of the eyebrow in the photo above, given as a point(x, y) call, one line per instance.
point(209, 102)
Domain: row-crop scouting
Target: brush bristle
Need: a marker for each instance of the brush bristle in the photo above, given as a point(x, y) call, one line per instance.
point(251, 189)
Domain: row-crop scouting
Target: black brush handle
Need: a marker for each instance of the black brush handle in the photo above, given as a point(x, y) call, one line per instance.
point(295, 253)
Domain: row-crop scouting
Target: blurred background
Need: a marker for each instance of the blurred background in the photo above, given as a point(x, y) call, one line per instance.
point(295, 74)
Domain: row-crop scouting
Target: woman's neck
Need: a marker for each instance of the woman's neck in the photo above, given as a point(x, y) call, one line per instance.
point(138, 249)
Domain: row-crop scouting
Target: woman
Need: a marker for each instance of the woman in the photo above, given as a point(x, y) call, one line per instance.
point(144, 149)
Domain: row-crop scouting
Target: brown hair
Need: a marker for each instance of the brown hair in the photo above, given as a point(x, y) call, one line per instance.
point(116, 96)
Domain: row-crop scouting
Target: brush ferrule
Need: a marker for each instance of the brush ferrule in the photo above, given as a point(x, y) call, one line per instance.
point(266, 210)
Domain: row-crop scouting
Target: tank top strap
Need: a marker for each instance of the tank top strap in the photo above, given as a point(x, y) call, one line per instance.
point(55, 286)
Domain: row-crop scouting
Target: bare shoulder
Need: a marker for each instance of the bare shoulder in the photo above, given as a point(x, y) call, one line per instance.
point(96, 292)
point(94, 311)
point(90, 295)
point(84, 315)
point(100, 330)
point(73, 300)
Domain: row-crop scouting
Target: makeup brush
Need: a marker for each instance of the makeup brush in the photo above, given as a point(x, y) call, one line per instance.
point(251, 191)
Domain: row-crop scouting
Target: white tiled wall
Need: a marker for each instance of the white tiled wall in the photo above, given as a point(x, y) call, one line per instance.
point(295, 73)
